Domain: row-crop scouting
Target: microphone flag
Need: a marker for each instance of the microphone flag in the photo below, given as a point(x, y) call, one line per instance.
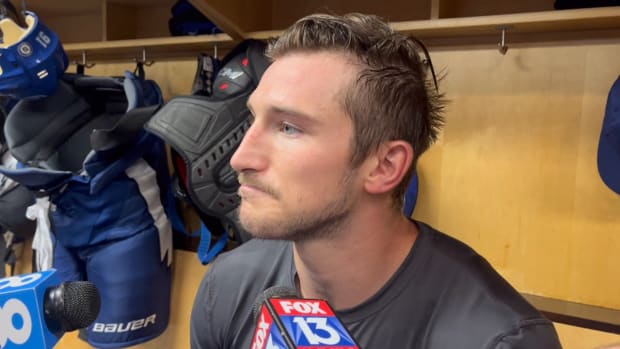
point(294, 323)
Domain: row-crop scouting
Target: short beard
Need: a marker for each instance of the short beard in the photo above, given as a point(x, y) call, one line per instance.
point(323, 225)
point(309, 226)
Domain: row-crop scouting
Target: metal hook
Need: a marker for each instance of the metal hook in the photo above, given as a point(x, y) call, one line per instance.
point(84, 62)
point(144, 61)
point(503, 48)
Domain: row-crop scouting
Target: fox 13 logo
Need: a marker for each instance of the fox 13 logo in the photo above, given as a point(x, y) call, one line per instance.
point(16, 323)
point(15, 318)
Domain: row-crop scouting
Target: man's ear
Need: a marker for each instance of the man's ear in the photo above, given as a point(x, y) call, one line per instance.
point(388, 167)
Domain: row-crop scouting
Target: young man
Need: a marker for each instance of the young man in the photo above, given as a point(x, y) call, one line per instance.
point(340, 119)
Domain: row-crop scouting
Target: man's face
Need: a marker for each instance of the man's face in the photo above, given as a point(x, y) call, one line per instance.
point(294, 161)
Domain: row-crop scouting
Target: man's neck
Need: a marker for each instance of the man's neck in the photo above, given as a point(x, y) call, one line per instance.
point(355, 263)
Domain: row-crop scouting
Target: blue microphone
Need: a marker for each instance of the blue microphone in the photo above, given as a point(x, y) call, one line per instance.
point(37, 309)
point(285, 321)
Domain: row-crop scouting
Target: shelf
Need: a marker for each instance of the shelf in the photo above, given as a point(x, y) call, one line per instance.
point(65, 8)
point(168, 47)
point(602, 18)
point(546, 22)
point(576, 314)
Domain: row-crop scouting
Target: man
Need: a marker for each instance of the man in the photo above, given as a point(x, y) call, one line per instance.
point(340, 119)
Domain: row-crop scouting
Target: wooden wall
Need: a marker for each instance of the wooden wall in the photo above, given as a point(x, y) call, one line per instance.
point(514, 174)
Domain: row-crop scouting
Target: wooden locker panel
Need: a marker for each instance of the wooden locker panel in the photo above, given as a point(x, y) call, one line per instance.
point(468, 8)
point(286, 13)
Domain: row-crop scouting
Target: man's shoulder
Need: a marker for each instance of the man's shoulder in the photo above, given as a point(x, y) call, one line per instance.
point(465, 275)
point(472, 297)
point(455, 262)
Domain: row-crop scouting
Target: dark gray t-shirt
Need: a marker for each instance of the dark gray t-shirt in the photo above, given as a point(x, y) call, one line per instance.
point(443, 296)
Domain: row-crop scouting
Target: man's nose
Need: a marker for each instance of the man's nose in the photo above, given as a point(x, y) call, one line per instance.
point(250, 155)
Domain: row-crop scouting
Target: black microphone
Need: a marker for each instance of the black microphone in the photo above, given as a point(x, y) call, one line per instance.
point(286, 321)
point(36, 309)
point(71, 306)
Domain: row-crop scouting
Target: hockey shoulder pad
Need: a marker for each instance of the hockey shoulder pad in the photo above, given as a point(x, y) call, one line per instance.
point(204, 132)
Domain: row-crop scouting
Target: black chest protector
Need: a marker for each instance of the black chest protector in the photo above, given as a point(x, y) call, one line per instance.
point(204, 132)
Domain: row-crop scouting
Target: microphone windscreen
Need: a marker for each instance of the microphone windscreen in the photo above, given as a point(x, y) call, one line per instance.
point(82, 303)
point(272, 292)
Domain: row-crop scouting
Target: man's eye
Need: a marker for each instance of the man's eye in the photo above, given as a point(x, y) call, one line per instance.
point(288, 129)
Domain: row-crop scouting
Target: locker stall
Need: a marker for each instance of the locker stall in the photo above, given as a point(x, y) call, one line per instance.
point(514, 173)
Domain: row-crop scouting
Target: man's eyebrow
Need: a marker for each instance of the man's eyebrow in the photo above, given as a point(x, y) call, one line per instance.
point(287, 112)
point(293, 113)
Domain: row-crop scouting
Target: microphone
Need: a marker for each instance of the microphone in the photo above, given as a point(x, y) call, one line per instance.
point(36, 309)
point(285, 321)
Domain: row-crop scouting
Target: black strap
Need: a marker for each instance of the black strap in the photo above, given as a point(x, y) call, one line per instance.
point(428, 60)
point(3, 255)
point(33, 264)
point(7, 254)
point(139, 71)
point(205, 73)
point(11, 259)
